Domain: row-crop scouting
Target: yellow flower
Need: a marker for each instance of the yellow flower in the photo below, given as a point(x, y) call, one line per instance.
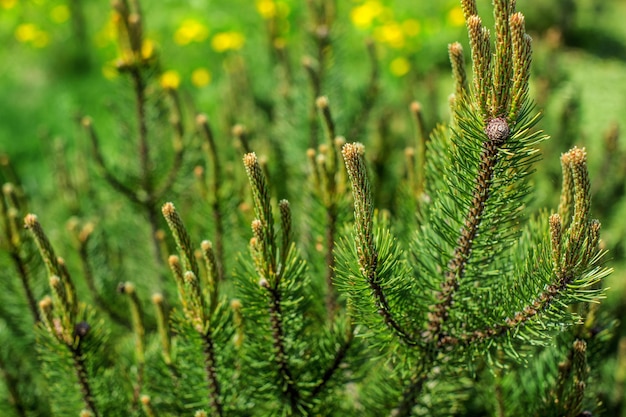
point(411, 27)
point(60, 13)
point(227, 40)
point(362, 16)
point(190, 31)
point(391, 34)
point(26, 32)
point(8, 4)
point(200, 77)
point(170, 80)
point(266, 8)
point(147, 49)
point(400, 66)
point(30, 33)
point(455, 17)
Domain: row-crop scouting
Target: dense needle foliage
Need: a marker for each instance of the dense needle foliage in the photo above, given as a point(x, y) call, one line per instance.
point(336, 278)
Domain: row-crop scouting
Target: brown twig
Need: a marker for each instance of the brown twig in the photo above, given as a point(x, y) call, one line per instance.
point(83, 378)
point(210, 368)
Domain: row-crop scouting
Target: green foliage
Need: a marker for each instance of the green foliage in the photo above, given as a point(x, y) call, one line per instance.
point(436, 287)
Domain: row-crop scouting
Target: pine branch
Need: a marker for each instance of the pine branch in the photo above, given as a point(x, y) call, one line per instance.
point(328, 180)
point(339, 358)
point(182, 238)
point(78, 358)
point(480, 45)
point(193, 299)
point(177, 145)
point(136, 313)
point(11, 383)
point(163, 328)
point(455, 52)
point(290, 387)
point(574, 253)
point(202, 122)
point(60, 315)
point(364, 236)
point(9, 214)
point(497, 132)
point(522, 59)
point(264, 230)
point(210, 363)
point(139, 89)
point(503, 65)
point(109, 177)
point(82, 237)
point(316, 86)
point(410, 395)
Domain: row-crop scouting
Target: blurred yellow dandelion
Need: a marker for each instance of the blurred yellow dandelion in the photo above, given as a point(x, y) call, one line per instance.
point(30, 33)
point(411, 27)
point(170, 80)
point(225, 41)
point(8, 4)
point(266, 8)
point(147, 49)
point(391, 34)
point(190, 31)
point(400, 66)
point(200, 77)
point(455, 17)
point(26, 32)
point(60, 13)
point(363, 16)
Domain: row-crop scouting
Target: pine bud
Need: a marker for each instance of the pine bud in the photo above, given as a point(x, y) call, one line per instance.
point(497, 130)
point(81, 329)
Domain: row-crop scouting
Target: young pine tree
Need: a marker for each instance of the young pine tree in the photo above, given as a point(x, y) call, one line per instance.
point(482, 281)
point(477, 307)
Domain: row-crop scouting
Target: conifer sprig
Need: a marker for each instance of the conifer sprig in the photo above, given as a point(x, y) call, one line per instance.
point(202, 122)
point(163, 327)
point(497, 132)
point(367, 253)
point(263, 226)
point(455, 52)
point(178, 144)
point(182, 238)
point(136, 313)
point(194, 300)
point(61, 314)
point(328, 179)
point(575, 256)
point(503, 65)
point(271, 272)
point(480, 44)
point(9, 213)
